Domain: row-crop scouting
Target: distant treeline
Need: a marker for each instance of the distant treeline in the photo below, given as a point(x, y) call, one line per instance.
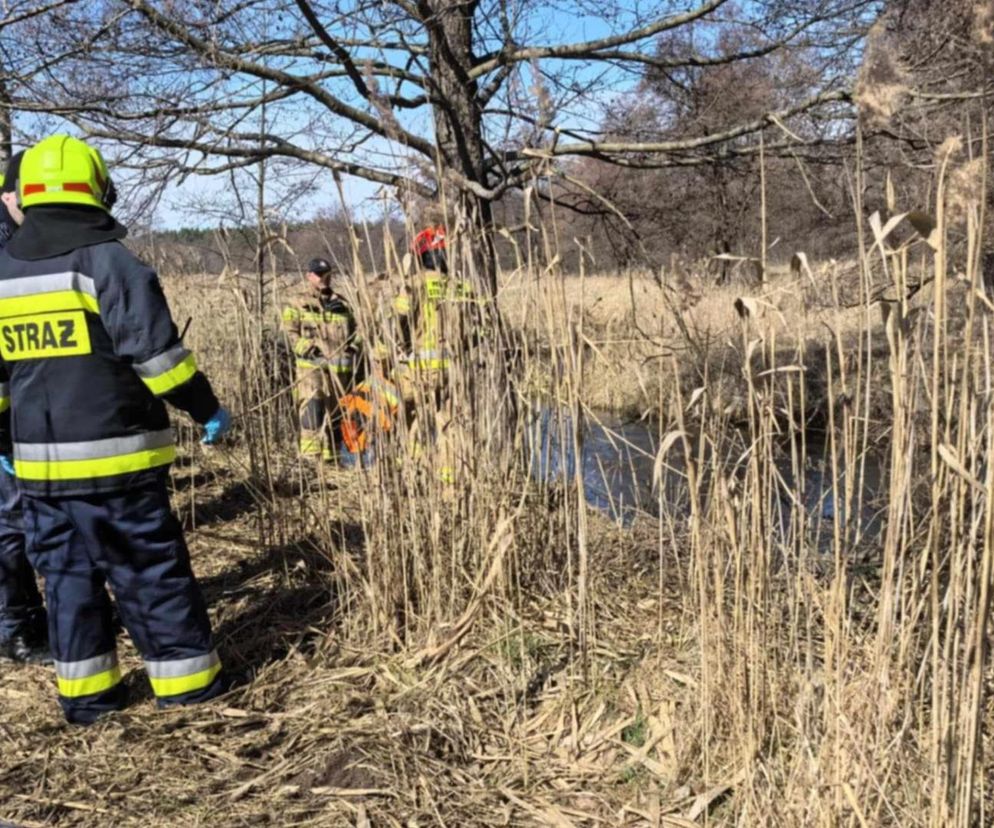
point(656, 232)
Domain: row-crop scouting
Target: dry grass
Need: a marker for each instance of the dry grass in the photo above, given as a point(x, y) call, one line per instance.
point(331, 732)
point(635, 326)
point(495, 653)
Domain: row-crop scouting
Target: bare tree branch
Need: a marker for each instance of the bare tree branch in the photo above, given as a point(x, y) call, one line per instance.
point(592, 47)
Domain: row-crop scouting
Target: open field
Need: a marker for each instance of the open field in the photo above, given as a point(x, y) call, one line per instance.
point(497, 653)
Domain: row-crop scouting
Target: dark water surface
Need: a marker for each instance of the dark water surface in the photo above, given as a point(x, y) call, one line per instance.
point(618, 458)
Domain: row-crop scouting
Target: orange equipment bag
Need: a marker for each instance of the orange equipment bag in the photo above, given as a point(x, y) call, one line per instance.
point(372, 406)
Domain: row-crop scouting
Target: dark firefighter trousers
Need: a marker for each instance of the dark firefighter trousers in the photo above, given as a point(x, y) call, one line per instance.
point(133, 542)
point(21, 610)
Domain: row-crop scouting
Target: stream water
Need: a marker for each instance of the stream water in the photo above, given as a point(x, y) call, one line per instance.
point(618, 458)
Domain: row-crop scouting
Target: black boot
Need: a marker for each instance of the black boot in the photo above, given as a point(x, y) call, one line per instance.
point(27, 647)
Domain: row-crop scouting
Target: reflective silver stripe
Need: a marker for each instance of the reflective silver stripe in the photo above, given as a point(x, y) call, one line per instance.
point(182, 666)
point(327, 363)
point(87, 667)
point(93, 449)
point(49, 283)
point(161, 363)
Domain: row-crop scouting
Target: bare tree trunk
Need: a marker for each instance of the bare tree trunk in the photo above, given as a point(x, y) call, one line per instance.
point(459, 119)
point(6, 121)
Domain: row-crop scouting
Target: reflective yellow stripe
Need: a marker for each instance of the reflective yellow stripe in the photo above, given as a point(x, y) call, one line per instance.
point(97, 467)
point(315, 364)
point(431, 364)
point(305, 315)
point(310, 445)
point(173, 378)
point(302, 346)
point(322, 316)
point(175, 685)
point(4, 404)
point(59, 300)
point(72, 688)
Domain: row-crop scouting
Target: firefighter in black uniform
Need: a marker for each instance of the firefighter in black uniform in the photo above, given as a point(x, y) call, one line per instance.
point(91, 355)
point(22, 616)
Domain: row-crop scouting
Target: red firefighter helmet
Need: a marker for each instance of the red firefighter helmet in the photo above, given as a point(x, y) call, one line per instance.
point(429, 247)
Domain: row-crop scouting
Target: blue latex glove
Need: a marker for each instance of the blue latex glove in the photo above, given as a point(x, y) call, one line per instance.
point(7, 464)
point(216, 427)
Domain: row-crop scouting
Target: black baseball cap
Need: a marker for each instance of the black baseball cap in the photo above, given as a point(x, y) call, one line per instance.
point(12, 173)
point(319, 266)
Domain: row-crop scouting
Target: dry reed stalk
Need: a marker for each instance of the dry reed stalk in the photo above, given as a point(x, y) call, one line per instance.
point(764, 651)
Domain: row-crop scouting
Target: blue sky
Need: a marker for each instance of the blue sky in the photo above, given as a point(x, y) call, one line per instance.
point(178, 209)
point(190, 203)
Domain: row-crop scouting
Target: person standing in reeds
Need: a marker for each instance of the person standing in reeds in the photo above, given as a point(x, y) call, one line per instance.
point(23, 637)
point(91, 355)
point(321, 328)
point(440, 316)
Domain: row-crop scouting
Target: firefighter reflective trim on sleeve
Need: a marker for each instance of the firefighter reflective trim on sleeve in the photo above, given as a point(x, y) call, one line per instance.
point(51, 292)
point(94, 458)
point(291, 314)
point(4, 396)
point(87, 677)
point(318, 317)
point(163, 362)
point(344, 365)
point(167, 371)
point(431, 360)
point(183, 675)
point(336, 366)
point(302, 346)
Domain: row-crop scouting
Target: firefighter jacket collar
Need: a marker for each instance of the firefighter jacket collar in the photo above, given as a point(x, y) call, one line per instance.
point(57, 230)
